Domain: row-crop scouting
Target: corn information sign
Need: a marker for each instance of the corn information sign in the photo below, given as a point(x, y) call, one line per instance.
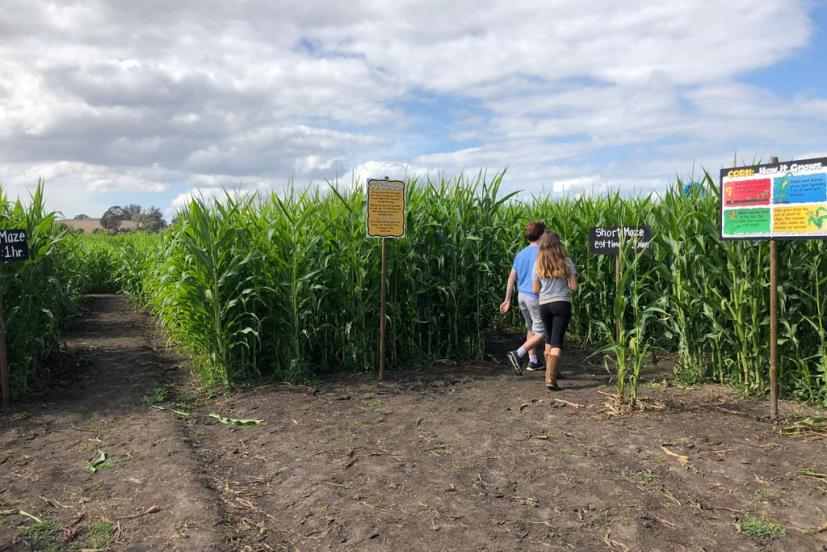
point(386, 209)
point(775, 201)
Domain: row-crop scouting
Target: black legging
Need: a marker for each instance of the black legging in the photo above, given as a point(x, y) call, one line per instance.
point(555, 317)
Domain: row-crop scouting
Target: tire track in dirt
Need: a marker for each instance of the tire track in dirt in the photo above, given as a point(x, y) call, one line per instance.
point(151, 492)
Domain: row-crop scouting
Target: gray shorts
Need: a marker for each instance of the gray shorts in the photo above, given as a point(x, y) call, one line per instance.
point(530, 307)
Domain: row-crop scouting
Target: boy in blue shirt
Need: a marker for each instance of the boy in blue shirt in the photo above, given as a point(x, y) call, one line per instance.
point(521, 273)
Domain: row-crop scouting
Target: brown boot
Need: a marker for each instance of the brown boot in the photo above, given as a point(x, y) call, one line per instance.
point(558, 374)
point(552, 366)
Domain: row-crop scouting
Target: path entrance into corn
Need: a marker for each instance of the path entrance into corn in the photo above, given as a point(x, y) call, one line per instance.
point(446, 457)
point(92, 459)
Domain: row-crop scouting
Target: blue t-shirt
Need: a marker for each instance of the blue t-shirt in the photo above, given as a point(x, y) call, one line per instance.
point(524, 265)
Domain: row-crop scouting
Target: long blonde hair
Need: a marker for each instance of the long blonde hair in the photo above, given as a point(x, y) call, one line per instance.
point(551, 257)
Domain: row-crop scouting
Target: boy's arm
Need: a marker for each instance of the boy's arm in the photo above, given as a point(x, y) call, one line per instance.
point(505, 305)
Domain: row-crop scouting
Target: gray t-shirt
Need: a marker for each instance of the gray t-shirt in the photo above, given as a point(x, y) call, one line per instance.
point(555, 289)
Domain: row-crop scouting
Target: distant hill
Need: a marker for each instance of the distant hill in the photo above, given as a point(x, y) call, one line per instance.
point(87, 226)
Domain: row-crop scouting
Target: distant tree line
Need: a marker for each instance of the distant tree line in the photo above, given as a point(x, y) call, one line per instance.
point(151, 220)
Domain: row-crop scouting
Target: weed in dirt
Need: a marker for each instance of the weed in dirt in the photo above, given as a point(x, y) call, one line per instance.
point(375, 404)
point(624, 520)
point(463, 466)
point(44, 536)
point(765, 495)
point(478, 482)
point(512, 419)
point(320, 510)
point(109, 464)
point(603, 517)
point(440, 449)
point(644, 476)
point(553, 536)
point(519, 525)
point(182, 405)
point(98, 535)
point(160, 441)
point(158, 396)
point(759, 528)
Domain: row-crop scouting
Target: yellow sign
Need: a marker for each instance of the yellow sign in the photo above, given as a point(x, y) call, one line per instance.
point(386, 209)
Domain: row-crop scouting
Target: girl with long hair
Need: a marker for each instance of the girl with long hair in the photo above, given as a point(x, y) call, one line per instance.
point(554, 280)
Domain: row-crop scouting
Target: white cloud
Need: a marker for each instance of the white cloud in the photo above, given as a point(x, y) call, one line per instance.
point(115, 97)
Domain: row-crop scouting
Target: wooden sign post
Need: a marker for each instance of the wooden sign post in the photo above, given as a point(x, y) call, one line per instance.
point(386, 216)
point(4, 365)
point(14, 247)
point(774, 323)
point(607, 240)
point(774, 201)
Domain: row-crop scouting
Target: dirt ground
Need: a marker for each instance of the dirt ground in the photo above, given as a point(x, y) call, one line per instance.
point(449, 457)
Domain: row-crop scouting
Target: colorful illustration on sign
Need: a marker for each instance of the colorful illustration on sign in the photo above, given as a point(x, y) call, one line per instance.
point(819, 219)
point(807, 188)
point(747, 192)
point(796, 219)
point(796, 207)
point(746, 221)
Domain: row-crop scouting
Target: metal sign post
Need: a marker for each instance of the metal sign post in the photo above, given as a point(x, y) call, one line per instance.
point(14, 247)
point(386, 219)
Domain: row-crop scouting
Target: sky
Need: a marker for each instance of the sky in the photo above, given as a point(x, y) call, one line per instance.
point(116, 102)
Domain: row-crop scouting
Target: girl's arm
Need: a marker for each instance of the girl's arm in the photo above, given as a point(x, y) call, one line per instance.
point(573, 283)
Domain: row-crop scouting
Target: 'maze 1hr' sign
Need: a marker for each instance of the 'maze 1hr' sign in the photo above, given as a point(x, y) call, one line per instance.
point(13, 245)
point(775, 201)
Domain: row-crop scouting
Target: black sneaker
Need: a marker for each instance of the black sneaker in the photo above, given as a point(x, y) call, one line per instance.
point(534, 367)
point(515, 362)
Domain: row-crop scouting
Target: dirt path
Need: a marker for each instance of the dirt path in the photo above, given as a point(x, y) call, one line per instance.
point(449, 457)
point(473, 458)
point(150, 493)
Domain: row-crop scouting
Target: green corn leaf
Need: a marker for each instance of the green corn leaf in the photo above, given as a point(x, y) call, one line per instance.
point(97, 462)
point(236, 422)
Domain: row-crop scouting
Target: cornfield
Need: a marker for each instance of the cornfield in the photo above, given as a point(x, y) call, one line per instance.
point(39, 294)
point(287, 286)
